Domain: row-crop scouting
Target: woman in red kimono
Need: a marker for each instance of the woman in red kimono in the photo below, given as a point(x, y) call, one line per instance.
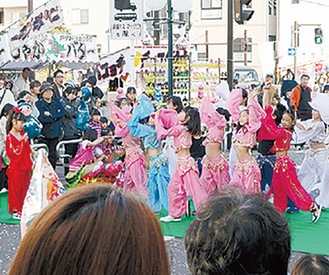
point(19, 151)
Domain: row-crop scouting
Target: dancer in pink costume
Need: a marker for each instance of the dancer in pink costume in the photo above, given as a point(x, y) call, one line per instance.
point(215, 169)
point(135, 177)
point(246, 171)
point(185, 179)
point(285, 182)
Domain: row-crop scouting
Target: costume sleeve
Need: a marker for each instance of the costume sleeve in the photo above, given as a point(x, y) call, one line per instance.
point(232, 104)
point(137, 129)
point(256, 113)
point(210, 116)
point(268, 129)
point(312, 130)
point(167, 124)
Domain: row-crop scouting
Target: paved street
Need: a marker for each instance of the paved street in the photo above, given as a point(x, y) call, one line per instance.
point(10, 238)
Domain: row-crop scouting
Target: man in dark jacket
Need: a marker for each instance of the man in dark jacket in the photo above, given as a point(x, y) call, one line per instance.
point(51, 115)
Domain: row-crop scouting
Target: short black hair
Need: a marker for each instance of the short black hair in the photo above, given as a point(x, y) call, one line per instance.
point(57, 72)
point(90, 135)
point(305, 75)
point(238, 233)
point(103, 119)
point(95, 112)
point(26, 69)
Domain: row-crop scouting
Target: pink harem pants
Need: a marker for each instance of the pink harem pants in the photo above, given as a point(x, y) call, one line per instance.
point(135, 174)
point(286, 184)
point(215, 173)
point(185, 180)
point(246, 175)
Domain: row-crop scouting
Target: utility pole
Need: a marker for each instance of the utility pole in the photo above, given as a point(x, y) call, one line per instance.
point(230, 43)
point(170, 49)
point(29, 6)
point(207, 45)
point(245, 48)
point(296, 40)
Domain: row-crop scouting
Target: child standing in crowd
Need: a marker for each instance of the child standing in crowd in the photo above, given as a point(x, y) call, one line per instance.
point(215, 171)
point(19, 170)
point(246, 171)
point(135, 171)
point(85, 164)
point(285, 181)
point(94, 122)
point(185, 179)
point(159, 177)
point(107, 128)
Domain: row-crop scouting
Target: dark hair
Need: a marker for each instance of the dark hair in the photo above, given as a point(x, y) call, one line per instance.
point(69, 90)
point(92, 80)
point(6, 108)
point(58, 72)
point(224, 112)
point(278, 112)
point(50, 79)
point(177, 102)
point(12, 116)
point(26, 69)
point(237, 233)
point(122, 99)
point(292, 115)
point(311, 265)
point(90, 135)
point(104, 119)
point(23, 93)
point(2, 77)
point(131, 90)
point(34, 84)
point(95, 112)
point(305, 75)
point(93, 229)
point(193, 124)
point(84, 82)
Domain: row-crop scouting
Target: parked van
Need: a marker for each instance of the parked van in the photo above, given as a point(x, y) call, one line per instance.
point(246, 76)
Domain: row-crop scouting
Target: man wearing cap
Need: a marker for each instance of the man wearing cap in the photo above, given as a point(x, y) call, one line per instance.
point(300, 98)
point(51, 115)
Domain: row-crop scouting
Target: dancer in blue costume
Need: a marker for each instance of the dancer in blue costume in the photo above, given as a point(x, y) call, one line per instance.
point(159, 177)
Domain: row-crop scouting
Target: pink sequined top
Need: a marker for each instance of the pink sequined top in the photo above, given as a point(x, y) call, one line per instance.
point(270, 131)
point(246, 136)
point(167, 124)
point(214, 121)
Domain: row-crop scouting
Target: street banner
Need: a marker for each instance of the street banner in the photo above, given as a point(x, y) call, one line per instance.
point(126, 19)
point(39, 21)
point(44, 188)
point(54, 48)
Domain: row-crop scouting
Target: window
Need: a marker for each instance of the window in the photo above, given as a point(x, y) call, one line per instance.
point(239, 49)
point(80, 16)
point(211, 9)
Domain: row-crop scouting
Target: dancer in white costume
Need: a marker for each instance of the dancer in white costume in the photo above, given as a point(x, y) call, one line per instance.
point(314, 171)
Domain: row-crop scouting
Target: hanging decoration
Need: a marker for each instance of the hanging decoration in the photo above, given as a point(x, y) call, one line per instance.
point(182, 5)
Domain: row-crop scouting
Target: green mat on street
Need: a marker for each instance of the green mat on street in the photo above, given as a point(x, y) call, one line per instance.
point(306, 236)
point(5, 216)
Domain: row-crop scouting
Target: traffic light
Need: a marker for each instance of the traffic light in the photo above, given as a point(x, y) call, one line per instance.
point(242, 11)
point(318, 36)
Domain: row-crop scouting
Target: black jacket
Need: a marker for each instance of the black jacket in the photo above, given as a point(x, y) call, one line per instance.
point(69, 126)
